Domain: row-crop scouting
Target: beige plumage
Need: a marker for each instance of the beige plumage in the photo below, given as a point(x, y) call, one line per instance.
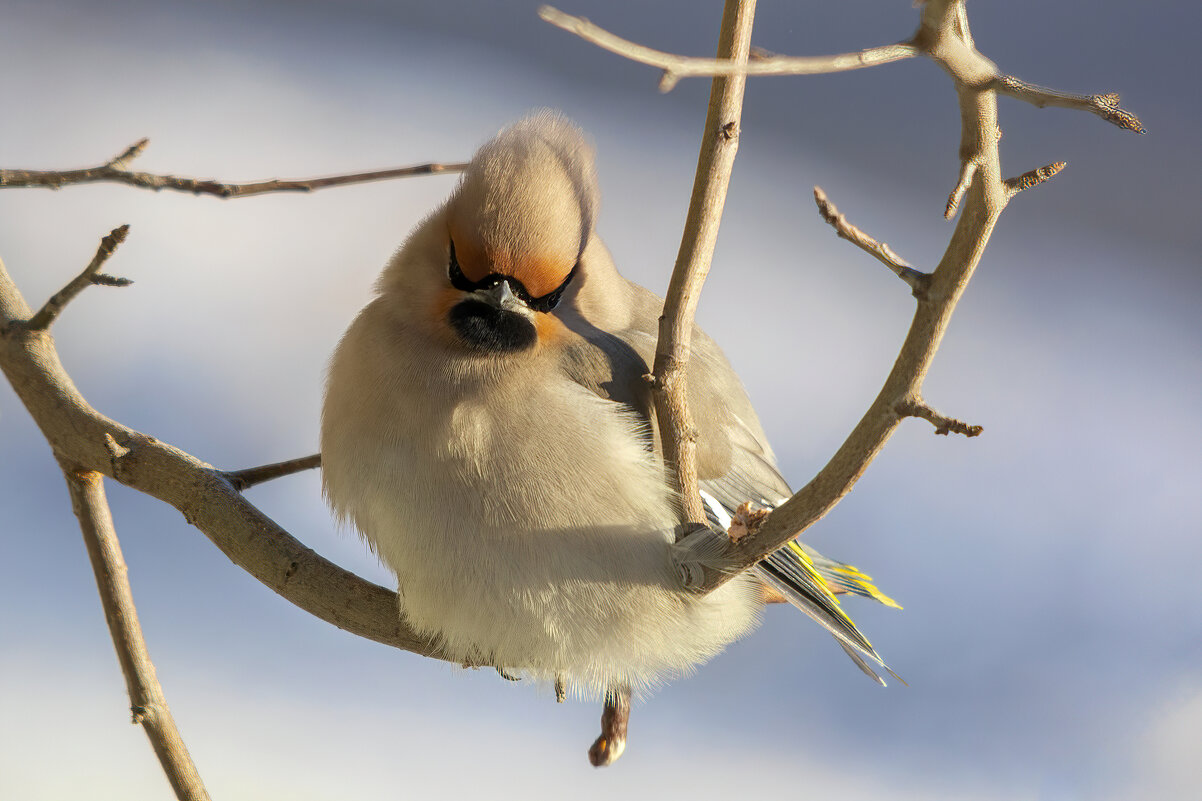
point(487, 428)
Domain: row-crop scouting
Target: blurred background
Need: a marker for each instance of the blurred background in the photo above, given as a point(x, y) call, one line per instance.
point(1052, 634)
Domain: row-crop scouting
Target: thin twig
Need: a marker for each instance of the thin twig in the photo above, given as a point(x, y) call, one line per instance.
point(719, 144)
point(615, 722)
point(147, 702)
point(122, 159)
point(115, 171)
point(245, 479)
point(1105, 106)
point(968, 168)
point(916, 279)
point(944, 425)
point(676, 67)
point(1033, 178)
point(90, 275)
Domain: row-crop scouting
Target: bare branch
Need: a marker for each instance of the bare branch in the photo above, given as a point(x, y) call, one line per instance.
point(943, 424)
point(30, 362)
point(1105, 106)
point(1032, 178)
point(90, 275)
point(245, 479)
point(916, 279)
point(114, 171)
point(719, 144)
point(615, 722)
point(147, 702)
point(943, 34)
point(677, 67)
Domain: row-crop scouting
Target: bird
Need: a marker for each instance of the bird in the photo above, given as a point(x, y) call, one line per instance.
point(488, 428)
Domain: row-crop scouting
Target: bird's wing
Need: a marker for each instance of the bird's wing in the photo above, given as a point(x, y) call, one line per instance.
point(735, 463)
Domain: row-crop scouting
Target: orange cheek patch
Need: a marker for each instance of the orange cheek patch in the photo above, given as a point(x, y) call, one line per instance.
point(441, 308)
point(470, 254)
point(549, 329)
point(541, 276)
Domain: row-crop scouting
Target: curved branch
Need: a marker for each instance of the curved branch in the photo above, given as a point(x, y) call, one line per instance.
point(208, 500)
point(945, 38)
point(677, 67)
point(114, 171)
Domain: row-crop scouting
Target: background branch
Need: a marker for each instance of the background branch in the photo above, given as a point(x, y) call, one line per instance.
point(147, 702)
point(114, 171)
point(677, 67)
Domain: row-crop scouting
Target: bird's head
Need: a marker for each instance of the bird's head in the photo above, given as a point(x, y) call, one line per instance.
point(509, 241)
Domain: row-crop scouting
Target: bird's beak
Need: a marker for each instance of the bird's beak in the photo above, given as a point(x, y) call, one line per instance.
point(502, 297)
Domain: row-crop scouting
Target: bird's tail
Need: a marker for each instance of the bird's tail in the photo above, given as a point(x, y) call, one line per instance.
point(810, 581)
point(842, 578)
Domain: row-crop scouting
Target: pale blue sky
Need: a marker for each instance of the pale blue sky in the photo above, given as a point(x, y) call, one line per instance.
point(1051, 638)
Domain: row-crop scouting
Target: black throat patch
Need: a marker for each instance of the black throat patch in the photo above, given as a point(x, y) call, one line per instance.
point(488, 328)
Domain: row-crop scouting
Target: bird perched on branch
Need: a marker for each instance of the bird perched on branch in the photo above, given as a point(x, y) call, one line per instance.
point(489, 430)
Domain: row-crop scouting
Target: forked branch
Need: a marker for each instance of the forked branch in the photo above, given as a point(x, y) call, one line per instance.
point(945, 37)
point(676, 67)
point(91, 275)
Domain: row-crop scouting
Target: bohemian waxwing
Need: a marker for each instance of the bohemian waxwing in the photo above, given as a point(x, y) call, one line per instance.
point(488, 429)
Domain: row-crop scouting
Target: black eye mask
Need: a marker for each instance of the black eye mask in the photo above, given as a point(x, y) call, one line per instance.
point(541, 304)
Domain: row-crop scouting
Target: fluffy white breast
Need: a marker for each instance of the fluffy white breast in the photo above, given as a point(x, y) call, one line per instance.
point(527, 522)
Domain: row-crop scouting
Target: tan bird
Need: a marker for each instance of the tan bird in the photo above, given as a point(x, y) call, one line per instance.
point(488, 429)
